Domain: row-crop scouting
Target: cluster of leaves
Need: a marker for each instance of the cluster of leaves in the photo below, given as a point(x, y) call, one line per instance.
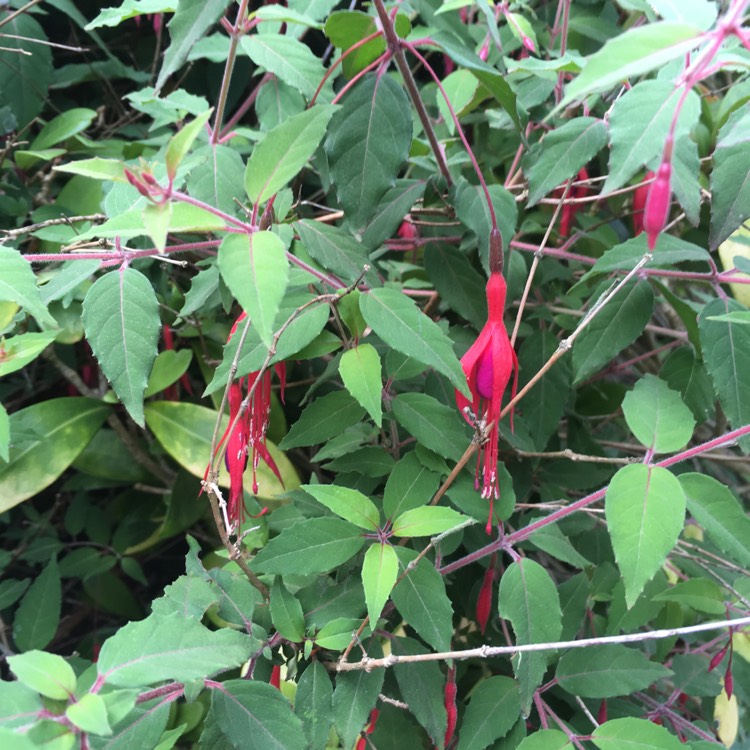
point(337, 175)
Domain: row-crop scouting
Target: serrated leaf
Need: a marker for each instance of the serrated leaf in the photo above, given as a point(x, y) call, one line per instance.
point(645, 511)
point(335, 250)
point(607, 671)
point(316, 545)
point(713, 505)
point(191, 21)
point(360, 370)
point(561, 154)
point(38, 614)
point(256, 716)
point(657, 416)
point(313, 704)
point(256, 270)
point(286, 613)
point(697, 593)
point(18, 284)
point(637, 51)
point(322, 419)
point(284, 151)
point(634, 734)
point(217, 177)
point(368, 140)
point(494, 708)
point(397, 320)
point(355, 696)
point(157, 218)
point(48, 674)
point(427, 521)
point(121, 321)
point(348, 503)
point(528, 598)
point(180, 143)
point(379, 573)
point(410, 485)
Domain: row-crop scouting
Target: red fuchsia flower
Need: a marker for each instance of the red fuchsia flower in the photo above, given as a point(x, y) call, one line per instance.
point(249, 433)
point(639, 203)
point(659, 197)
point(371, 723)
point(488, 366)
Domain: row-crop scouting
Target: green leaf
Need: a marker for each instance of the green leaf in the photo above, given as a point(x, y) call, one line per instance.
point(190, 22)
point(379, 573)
point(615, 327)
point(69, 277)
point(700, 13)
point(18, 704)
point(217, 177)
point(561, 154)
point(336, 250)
point(48, 674)
point(607, 671)
point(369, 461)
point(657, 416)
point(18, 284)
point(700, 594)
point(169, 367)
point(17, 740)
point(157, 218)
point(350, 504)
point(180, 143)
point(121, 320)
point(730, 184)
point(284, 151)
point(726, 353)
point(336, 634)
point(645, 510)
point(528, 598)
point(392, 209)
point(684, 373)
point(637, 51)
point(634, 734)
point(313, 704)
point(289, 59)
point(545, 739)
point(325, 417)
point(405, 328)
point(640, 122)
point(435, 425)
point(368, 141)
point(410, 485)
point(256, 270)
point(166, 647)
point(38, 614)
point(130, 9)
point(48, 437)
point(89, 714)
point(256, 716)
point(62, 127)
point(421, 600)
point(360, 370)
point(185, 431)
point(427, 521)
point(97, 168)
point(286, 613)
point(4, 434)
point(18, 351)
point(316, 545)
point(713, 505)
point(494, 708)
point(355, 696)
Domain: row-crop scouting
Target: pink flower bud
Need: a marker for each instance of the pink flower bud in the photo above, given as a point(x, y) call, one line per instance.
point(658, 202)
point(716, 658)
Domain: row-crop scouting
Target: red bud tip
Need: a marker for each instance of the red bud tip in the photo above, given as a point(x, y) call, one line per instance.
point(484, 52)
point(729, 682)
point(528, 44)
point(657, 204)
point(136, 183)
point(450, 705)
point(275, 680)
point(601, 716)
point(717, 658)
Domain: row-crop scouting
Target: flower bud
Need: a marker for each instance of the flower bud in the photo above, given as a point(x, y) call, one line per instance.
point(659, 199)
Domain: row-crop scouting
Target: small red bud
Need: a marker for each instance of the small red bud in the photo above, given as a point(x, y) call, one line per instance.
point(659, 199)
point(136, 183)
point(639, 202)
point(484, 52)
point(717, 658)
point(528, 43)
point(484, 600)
point(450, 704)
point(275, 680)
point(407, 230)
point(601, 716)
point(728, 681)
point(148, 178)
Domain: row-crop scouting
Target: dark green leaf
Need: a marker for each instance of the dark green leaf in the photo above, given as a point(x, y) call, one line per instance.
point(38, 614)
point(410, 485)
point(313, 704)
point(286, 613)
point(325, 417)
point(336, 250)
point(354, 697)
point(494, 708)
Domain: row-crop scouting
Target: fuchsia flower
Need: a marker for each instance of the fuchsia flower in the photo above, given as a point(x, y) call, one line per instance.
point(488, 366)
point(659, 198)
point(249, 433)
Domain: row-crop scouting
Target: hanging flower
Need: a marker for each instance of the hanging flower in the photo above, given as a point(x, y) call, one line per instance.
point(488, 366)
point(659, 198)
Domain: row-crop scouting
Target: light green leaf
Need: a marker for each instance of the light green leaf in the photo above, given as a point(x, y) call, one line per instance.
point(48, 674)
point(62, 127)
point(17, 704)
point(607, 671)
point(528, 598)
point(18, 284)
point(368, 141)
point(191, 21)
point(713, 505)
point(350, 504)
point(657, 415)
point(121, 320)
point(427, 521)
point(130, 9)
point(38, 614)
point(700, 594)
point(18, 351)
point(398, 321)
point(284, 151)
point(256, 270)
point(89, 714)
point(185, 431)
point(379, 573)
point(637, 51)
point(70, 275)
point(169, 367)
point(157, 218)
point(180, 143)
point(47, 437)
point(313, 704)
point(545, 739)
point(634, 734)
point(96, 168)
point(286, 613)
point(561, 154)
point(360, 369)
point(324, 418)
point(494, 708)
point(316, 545)
point(645, 511)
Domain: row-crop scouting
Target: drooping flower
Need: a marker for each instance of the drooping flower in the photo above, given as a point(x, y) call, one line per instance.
point(659, 198)
point(488, 366)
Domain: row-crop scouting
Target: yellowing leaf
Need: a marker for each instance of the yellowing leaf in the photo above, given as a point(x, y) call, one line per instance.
point(726, 714)
point(737, 244)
